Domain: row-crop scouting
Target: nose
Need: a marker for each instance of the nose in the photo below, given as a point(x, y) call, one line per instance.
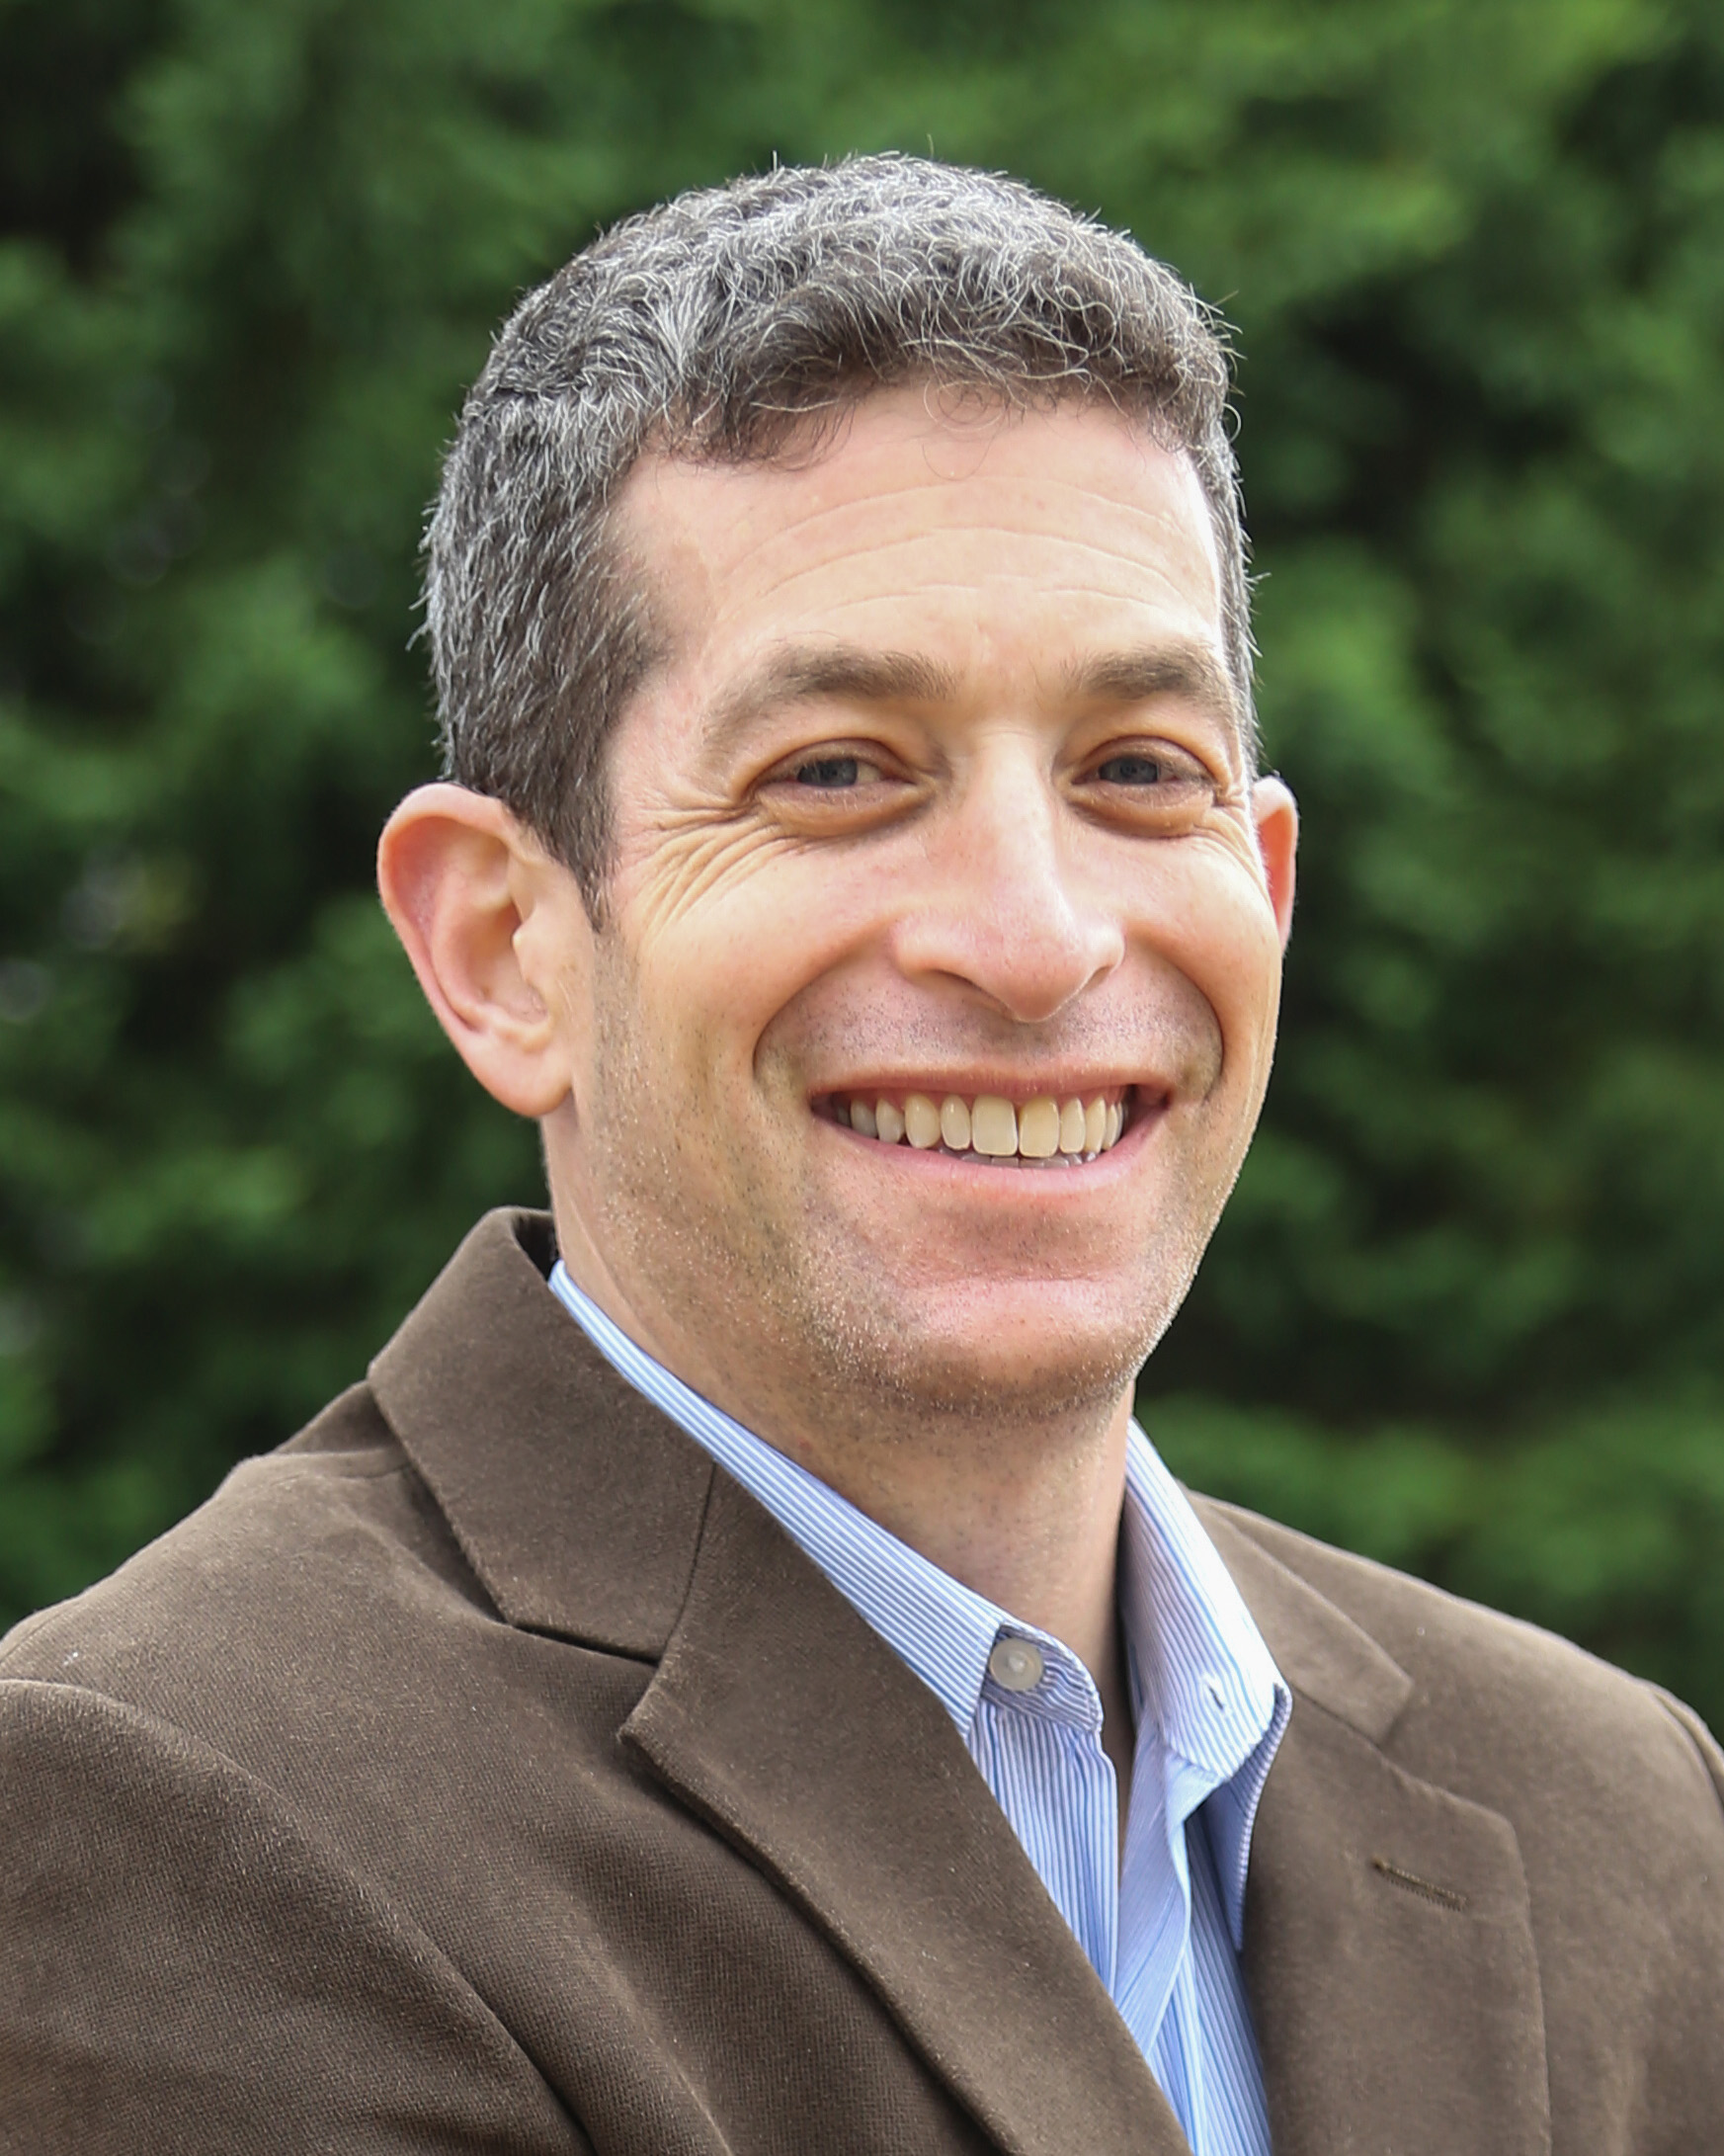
point(1010, 908)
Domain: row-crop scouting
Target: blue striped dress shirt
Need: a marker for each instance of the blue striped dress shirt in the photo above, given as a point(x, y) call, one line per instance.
point(1161, 1919)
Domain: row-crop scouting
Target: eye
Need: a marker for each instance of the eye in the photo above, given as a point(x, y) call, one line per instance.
point(1152, 767)
point(834, 774)
point(1155, 787)
point(834, 767)
point(837, 787)
point(1135, 770)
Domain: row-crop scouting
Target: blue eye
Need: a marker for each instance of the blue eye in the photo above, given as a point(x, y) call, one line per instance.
point(1131, 771)
point(832, 772)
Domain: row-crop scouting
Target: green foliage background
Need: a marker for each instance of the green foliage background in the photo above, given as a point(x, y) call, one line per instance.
point(1468, 1310)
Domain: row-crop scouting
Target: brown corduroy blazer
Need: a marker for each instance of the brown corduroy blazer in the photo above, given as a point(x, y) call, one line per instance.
point(487, 1771)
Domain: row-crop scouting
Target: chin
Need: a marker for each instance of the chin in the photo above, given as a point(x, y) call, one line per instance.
point(1024, 1351)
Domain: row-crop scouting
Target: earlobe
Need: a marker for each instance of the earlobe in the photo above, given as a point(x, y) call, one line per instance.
point(459, 877)
point(1277, 816)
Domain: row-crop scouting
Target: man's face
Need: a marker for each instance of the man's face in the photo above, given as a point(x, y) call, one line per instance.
point(939, 796)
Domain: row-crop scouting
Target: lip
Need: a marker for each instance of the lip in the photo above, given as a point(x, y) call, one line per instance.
point(968, 1086)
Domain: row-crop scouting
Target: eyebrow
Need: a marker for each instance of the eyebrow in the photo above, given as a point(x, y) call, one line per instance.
point(848, 674)
point(821, 674)
point(1186, 670)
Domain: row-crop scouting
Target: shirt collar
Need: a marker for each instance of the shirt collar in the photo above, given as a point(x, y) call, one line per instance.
point(1201, 1673)
point(941, 1629)
point(1205, 1682)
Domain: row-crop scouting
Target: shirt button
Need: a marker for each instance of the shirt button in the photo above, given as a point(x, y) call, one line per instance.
point(1016, 1664)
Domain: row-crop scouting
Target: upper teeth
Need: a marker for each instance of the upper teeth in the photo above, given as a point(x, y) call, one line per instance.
point(989, 1127)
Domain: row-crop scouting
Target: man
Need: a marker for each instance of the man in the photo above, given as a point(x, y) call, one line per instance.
point(735, 1678)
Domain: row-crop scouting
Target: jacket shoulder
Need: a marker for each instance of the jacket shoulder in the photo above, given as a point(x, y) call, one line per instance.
point(300, 1553)
point(160, 1909)
point(180, 1870)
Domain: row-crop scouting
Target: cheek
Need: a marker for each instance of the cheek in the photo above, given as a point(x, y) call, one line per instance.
point(717, 970)
point(687, 1012)
point(1214, 922)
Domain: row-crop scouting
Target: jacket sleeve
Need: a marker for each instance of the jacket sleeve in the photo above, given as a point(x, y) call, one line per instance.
point(183, 1968)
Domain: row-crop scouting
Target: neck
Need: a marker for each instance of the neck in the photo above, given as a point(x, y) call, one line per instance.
point(1026, 1515)
point(1024, 1508)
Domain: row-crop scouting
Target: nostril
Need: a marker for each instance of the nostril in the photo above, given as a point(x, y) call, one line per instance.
point(1029, 955)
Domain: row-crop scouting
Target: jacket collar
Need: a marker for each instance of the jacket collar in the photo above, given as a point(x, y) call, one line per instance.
point(1322, 1653)
point(571, 1497)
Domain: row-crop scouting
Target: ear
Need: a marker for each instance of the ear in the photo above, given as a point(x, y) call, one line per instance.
point(1277, 816)
point(496, 931)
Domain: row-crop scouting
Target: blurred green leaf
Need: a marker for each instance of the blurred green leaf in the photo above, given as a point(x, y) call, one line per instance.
point(1466, 1311)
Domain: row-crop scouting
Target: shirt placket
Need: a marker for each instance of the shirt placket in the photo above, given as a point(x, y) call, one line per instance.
point(1154, 1989)
point(1040, 1751)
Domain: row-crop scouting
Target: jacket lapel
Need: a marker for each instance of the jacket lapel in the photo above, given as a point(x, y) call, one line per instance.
point(780, 1717)
point(574, 1501)
point(1388, 1950)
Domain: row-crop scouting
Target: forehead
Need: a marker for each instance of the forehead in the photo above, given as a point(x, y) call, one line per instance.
point(1011, 549)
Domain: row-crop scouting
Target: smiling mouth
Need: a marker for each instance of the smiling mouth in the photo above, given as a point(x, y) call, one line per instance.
point(989, 1129)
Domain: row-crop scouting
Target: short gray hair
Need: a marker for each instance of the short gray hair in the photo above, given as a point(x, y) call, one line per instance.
point(719, 326)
